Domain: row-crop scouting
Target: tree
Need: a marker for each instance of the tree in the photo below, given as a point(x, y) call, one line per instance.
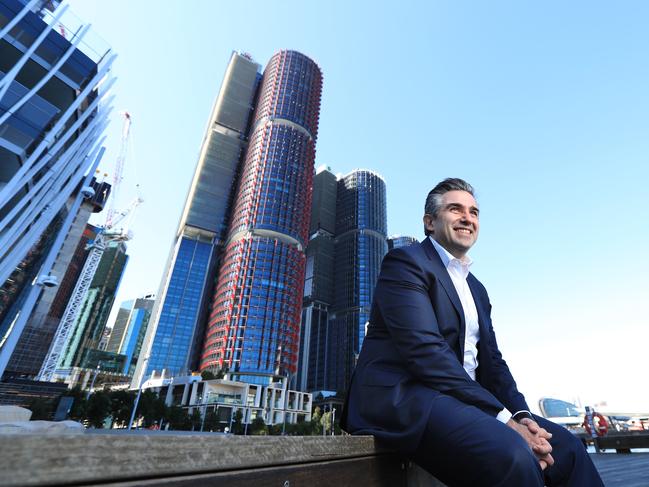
point(98, 409)
point(151, 408)
point(211, 422)
point(258, 426)
point(237, 423)
point(300, 429)
point(195, 420)
point(178, 418)
point(325, 422)
point(121, 406)
point(79, 404)
point(214, 374)
point(316, 421)
point(207, 375)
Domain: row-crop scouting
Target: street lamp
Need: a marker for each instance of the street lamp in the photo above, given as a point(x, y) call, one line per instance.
point(139, 392)
point(92, 384)
point(231, 418)
point(203, 400)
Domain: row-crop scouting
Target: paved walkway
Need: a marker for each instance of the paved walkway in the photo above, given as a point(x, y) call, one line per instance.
point(623, 469)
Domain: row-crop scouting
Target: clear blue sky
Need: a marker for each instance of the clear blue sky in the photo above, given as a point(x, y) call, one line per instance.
point(542, 106)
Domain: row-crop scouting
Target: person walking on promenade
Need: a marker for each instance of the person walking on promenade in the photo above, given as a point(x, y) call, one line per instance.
point(430, 380)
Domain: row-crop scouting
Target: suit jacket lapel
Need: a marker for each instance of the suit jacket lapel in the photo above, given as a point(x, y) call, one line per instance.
point(482, 313)
point(445, 280)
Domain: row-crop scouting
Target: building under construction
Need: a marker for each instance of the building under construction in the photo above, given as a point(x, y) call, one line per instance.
point(54, 107)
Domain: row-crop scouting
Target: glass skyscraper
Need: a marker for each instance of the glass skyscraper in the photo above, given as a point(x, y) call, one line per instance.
point(361, 231)
point(347, 245)
point(173, 340)
point(254, 319)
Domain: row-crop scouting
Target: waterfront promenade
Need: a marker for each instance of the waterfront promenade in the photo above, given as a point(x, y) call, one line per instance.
point(623, 469)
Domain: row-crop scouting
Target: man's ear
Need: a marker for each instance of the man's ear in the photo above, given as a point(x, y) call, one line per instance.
point(428, 223)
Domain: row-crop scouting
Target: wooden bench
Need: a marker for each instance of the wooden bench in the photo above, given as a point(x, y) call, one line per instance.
point(203, 459)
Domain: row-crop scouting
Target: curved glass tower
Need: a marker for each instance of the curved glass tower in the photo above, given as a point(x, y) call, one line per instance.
point(253, 326)
point(361, 230)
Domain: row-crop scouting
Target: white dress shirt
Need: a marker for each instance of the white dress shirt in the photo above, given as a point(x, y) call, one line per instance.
point(458, 270)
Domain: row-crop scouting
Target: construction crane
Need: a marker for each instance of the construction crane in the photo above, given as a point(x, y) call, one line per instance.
point(119, 167)
point(107, 233)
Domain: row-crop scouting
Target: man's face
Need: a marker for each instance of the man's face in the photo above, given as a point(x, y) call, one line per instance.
point(456, 225)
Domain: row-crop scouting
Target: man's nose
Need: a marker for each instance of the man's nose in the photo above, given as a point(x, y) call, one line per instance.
point(469, 217)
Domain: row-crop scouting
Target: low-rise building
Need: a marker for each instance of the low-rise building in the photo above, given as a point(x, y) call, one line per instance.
point(273, 402)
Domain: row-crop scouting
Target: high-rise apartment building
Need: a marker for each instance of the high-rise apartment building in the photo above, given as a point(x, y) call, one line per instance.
point(173, 340)
point(254, 322)
point(52, 115)
point(342, 269)
point(396, 241)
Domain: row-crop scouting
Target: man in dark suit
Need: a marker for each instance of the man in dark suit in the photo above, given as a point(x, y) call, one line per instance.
point(430, 381)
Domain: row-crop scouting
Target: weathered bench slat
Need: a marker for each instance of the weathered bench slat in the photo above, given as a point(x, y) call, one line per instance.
point(93, 458)
point(384, 471)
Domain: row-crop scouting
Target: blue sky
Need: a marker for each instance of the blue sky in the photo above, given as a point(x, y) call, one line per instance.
point(542, 106)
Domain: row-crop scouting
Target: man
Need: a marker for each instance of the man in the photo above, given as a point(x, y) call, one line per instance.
point(430, 381)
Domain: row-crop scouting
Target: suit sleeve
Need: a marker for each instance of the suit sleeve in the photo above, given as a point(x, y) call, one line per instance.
point(402, 298)
point(501, 383)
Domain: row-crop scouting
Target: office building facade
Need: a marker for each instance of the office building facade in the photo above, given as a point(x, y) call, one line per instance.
point(173, 340)
point(53, 111)
point(254, 321)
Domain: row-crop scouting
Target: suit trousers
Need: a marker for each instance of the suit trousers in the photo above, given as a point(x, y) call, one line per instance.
point(463, 446)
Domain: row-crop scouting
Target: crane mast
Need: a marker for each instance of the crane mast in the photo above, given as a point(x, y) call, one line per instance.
point(105, 235)
point(119, 168)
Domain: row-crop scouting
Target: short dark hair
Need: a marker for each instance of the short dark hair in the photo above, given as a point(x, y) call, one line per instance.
point(434, 198)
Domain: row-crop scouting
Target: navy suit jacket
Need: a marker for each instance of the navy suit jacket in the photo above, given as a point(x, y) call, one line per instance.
point(414, 350)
